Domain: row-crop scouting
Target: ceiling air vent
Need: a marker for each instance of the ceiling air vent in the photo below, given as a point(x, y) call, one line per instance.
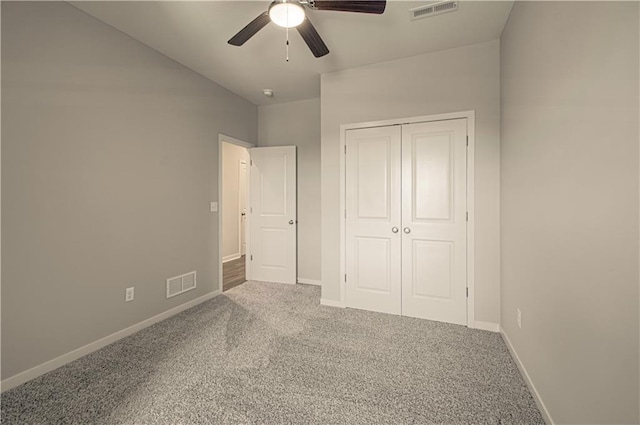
point(433, 9)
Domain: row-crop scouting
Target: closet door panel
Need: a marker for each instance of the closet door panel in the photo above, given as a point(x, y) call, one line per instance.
point(434, 239)
point(432, 164)
point(373, 209)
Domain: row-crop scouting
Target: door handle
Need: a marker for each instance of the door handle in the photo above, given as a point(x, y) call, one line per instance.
point(406, 230)
point(394, 229)
point(290, 221)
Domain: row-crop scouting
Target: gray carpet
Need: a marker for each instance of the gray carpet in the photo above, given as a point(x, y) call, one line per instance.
point(270, 354)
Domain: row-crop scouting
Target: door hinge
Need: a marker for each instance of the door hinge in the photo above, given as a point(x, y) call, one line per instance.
point(467, 292)
point(345, 277)
point(251, 210)
point(345, 213)
point(467, 140)
point(467, 215)
point(251, 257)
point(250, 162)
point(345, 149)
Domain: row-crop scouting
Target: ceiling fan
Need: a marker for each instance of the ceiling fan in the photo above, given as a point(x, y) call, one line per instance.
point(291, 13)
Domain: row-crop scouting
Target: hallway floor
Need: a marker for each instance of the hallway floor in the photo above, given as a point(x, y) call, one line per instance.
point(233, 273)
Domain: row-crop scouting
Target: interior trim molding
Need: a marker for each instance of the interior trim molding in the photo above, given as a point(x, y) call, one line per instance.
point(231, 257)
point(485, 326)
point(228, 139)
point(532, 388)
point(331, 303)
point(62, 360)
point(309, 281)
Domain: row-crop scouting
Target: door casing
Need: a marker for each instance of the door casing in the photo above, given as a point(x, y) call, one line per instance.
point(242, 200)
point(233, 141)
point(470, 116)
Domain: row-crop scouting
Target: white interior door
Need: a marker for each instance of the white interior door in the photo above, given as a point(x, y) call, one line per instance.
point(242, 186)
point(434, 223)
point(273, 214)
point(373, 214)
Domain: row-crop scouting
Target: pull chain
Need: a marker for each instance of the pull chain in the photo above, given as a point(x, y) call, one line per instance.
point(287, 34)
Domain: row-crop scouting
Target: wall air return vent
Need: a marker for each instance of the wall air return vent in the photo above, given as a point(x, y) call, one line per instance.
point(433, 9)
point(179, 284)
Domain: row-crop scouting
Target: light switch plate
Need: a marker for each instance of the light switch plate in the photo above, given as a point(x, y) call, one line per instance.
point(214, 207)
point(128, 294)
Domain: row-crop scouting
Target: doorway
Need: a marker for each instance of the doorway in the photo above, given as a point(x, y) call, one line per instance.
point(257, 190)
point(233, 217)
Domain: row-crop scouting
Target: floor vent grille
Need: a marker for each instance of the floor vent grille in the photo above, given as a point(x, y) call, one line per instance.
point(433, 9)
point(179, 284)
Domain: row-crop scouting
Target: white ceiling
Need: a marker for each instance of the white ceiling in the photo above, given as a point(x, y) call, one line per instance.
point(195, 33)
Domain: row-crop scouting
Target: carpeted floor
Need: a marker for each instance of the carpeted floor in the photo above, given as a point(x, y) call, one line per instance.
point(270, 354)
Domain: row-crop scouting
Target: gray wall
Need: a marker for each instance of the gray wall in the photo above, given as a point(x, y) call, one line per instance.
point(108, 167)
point(453, 80)
point(298, 123)
point(570, 204)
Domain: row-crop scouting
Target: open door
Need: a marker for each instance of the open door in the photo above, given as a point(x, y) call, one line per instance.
point(273, 208)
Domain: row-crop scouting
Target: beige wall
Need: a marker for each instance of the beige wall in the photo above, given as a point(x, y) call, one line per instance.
point(231, 157)
point(298, 123)
point(453, 80)
point(109, 153)
point(570, 204)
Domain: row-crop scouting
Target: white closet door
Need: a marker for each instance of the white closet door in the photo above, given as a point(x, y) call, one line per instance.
point(273, 214)
point(434, 226)
point(373, 211)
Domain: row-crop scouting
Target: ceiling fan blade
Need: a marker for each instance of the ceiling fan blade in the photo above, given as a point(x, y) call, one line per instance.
point(312, 38)
point(250, 30)
point(359, 6)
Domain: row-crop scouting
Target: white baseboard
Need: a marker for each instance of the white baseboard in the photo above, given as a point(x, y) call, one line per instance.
point(534, 392)
point(309, 281)
point(231, 257)
point(50, 365)
point(331, 303)
point(485, 326)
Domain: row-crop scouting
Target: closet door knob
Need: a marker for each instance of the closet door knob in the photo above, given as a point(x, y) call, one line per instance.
point(394, 229)
point(406, 230)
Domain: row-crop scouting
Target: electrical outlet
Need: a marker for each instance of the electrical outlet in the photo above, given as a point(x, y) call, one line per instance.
point(128, 295)
point(519, 319)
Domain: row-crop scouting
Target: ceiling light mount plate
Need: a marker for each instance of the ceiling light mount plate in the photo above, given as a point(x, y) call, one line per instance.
point(267, 92)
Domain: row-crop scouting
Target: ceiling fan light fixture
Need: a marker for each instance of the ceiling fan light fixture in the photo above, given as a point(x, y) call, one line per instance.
point(286, 14)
